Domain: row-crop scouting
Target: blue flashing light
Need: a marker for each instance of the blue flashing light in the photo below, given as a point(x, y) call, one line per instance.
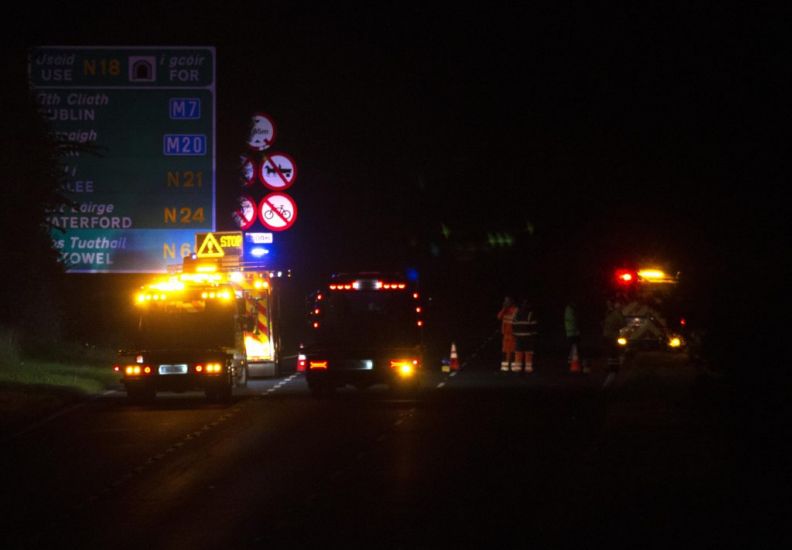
point(411, 274)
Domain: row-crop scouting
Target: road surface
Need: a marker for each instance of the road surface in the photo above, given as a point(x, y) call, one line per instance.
point(478, 458)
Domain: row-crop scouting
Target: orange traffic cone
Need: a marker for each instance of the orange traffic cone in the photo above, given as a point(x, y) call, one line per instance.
point(454, 358)
point(574, 360)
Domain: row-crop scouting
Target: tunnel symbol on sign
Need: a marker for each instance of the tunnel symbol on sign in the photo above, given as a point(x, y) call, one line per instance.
point(142, 69)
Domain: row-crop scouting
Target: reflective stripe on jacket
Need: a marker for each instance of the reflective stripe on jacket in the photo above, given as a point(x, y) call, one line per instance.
point(524, 324)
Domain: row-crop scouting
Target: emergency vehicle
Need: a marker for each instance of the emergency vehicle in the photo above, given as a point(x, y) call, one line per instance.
point(207, 325)
point(646, 299)
point(365, 329)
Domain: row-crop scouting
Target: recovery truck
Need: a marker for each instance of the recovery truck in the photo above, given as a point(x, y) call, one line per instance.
point(203, 326)
point(646, 300)
point(366, 329)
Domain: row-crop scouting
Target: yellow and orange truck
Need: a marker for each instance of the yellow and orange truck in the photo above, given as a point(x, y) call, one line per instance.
point(206, 325)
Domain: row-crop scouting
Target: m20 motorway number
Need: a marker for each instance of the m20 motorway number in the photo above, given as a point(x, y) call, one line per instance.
point(183, 145)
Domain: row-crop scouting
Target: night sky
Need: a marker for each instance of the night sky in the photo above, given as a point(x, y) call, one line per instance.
point(590, 136)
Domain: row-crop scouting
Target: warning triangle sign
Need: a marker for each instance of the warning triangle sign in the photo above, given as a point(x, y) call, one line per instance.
point(210, 248)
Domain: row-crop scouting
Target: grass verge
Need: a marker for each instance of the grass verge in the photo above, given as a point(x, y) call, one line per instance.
point(86, 379)
point(31, 389)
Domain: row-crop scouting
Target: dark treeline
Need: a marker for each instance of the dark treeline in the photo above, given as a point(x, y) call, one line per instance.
point(30, 304)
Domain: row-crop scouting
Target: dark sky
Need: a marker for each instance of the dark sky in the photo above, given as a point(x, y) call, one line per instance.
point(619, 133)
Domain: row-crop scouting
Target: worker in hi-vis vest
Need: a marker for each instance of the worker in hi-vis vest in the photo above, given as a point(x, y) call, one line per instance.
point(506, 316)
point(524, 327)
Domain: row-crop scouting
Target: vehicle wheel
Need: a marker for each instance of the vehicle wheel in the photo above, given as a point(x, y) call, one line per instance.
point(242, 377)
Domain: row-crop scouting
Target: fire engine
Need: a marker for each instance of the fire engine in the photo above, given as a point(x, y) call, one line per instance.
point(366, 329)
point(646, 300)
point(208, 325)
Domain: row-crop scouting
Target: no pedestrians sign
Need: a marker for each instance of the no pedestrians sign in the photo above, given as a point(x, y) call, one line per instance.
point(245, 216)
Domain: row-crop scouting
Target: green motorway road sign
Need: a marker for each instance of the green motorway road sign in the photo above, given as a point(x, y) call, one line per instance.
point(147, 178)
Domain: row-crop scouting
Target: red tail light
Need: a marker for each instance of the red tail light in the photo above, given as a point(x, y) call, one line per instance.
point(626, 276)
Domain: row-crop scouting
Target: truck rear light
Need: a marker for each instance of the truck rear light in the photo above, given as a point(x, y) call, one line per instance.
point(317, 365)
point(301, 362)
point(209, 368)
point(625, 276)
point(213, 368)
point(136, 370)
point(404, 367)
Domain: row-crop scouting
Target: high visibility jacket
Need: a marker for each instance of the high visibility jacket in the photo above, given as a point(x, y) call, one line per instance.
point(524, 323)
point(506, 315)
point(570, 322)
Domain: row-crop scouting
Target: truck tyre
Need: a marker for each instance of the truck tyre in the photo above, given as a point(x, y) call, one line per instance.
point(242, 378)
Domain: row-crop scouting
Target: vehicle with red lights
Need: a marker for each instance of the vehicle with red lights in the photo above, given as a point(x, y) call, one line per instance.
point(646, 297)
point(365, 329)
point(203, 327)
